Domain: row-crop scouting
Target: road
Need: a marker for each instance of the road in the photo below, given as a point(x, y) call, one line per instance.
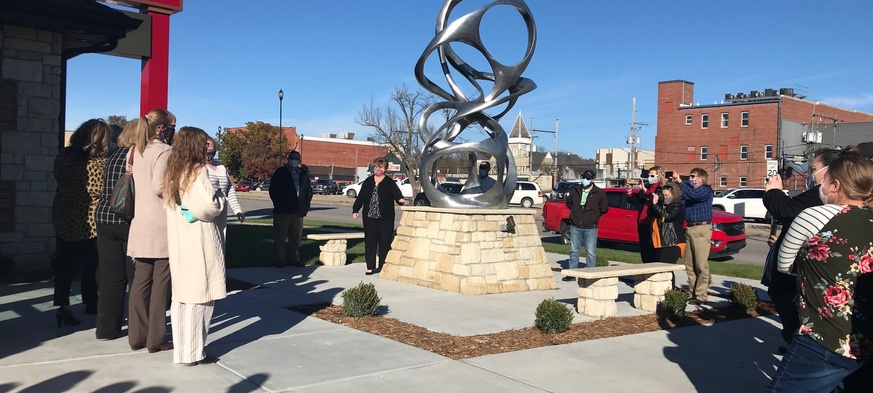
point(338, 208)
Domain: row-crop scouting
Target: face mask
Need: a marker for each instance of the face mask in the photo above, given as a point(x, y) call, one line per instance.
point(210, 155)
point(653, 179)
point(167, 135)
point(810, 180)
point(822, 196)
point(379, 172)
point(292, 164)
point(668, 201)
point(483, 173)
point(693, 182)
point(586, 183)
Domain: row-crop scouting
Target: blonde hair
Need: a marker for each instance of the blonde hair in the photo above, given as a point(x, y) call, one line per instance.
point(125, 139)
point(662, 173)
point(855, 174)
point(186, 159)
point(147, 127)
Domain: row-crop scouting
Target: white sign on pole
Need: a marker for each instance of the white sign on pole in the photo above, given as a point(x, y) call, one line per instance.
point(772, 168)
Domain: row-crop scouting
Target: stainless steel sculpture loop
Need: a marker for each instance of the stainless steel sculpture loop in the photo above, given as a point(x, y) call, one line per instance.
point(507, 86)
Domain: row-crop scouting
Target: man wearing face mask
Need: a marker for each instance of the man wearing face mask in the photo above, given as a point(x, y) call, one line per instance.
point(291, 193)
point(698, 217)
point(587, 203)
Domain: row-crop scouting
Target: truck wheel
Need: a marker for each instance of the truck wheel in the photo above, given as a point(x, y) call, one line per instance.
point(351, 193)
point(526, 203)
point(419, 202)
point(718, 207)
point(565, 233)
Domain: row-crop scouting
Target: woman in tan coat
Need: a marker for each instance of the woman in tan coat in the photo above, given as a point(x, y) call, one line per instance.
point(196, 244)
point(147, 244)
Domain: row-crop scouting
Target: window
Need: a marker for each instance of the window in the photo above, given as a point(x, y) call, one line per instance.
point(768, 151)
point(687, 120)
point(527, 186)
point(744, 152)
point(704, 152)
point(704, 120)
point(742, 181)
point(722, 182)
point(744, 119)
point(724, 120)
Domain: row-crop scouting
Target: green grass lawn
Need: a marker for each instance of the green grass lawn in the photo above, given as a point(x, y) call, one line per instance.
point(252, 246)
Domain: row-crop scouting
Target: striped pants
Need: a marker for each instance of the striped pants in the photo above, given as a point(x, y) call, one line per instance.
point(190, 323)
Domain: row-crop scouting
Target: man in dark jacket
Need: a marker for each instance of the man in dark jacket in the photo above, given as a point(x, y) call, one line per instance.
point(291, 193)
point(587, 203)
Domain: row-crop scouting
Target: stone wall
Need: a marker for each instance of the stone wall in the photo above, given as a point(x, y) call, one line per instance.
point(30, 75)
point(465, 251)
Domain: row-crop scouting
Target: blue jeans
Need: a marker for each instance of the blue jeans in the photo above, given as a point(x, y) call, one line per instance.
point(810, 367)
point(577, 235)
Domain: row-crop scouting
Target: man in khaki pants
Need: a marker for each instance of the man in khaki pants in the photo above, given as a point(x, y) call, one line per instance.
point(698, 215)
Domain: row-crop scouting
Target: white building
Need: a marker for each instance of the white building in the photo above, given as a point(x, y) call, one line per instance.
point(615, 163)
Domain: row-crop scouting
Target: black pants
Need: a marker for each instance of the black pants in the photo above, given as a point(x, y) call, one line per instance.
point(70, 256)
point(116, 270)
point(667, 254)
point(377, 233)
point(647, 249)
point(783, 293)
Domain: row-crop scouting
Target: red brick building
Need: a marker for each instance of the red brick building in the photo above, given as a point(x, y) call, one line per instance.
point(342, 158)
point(734, 140)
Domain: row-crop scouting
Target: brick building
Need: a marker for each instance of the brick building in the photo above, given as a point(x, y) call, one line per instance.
point(734, 140)
point(343, 159)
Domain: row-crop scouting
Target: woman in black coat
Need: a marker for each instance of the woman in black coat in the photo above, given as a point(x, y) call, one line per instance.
point(668, 214)
point(377, 196)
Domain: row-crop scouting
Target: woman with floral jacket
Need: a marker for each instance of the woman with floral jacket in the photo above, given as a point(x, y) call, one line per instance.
point(830, 250)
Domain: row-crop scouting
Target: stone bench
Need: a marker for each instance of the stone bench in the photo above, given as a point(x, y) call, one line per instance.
point(598, 286)
point(333, 253)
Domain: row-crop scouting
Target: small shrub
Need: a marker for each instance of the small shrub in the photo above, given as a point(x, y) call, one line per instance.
point(553, 316)
point(673, 305)
point(602, 261)
point(360, 301)
point(743, 296)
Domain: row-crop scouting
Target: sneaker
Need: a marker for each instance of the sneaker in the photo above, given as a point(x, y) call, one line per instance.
point(568, 278)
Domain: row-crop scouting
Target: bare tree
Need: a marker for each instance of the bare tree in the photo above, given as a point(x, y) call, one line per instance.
point(395, 125)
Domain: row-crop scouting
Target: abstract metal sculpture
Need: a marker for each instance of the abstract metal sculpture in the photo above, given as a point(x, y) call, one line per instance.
point(465, 111)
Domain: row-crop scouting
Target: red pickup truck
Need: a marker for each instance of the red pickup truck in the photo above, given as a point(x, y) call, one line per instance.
point(619, 224)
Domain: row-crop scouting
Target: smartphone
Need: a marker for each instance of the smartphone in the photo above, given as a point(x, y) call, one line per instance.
point(644, 174)
point(786, 171)
point(668, 174)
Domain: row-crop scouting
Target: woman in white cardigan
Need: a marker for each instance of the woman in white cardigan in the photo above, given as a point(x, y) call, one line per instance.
point(196, 245)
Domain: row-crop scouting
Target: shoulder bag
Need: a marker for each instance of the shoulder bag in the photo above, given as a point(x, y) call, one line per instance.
point(121, 200)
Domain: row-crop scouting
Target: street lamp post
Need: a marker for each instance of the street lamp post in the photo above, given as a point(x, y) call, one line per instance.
point(356, 163)
point(555, 162)
point(281, 131)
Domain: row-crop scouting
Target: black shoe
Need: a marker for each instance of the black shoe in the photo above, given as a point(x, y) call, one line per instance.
point(696, 302)
point(65, 316)
point(370, 272)
point(161, 347)
point(568, 278)
point(207, 360)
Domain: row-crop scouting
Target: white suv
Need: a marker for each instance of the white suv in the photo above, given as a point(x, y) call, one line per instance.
point(527, 194)
point(746, 202)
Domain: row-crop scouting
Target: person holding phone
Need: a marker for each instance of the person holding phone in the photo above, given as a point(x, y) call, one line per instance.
point(642, 200)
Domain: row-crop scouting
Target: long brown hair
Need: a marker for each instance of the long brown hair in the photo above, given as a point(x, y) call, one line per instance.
point(148, 126)
point(186, 159)
point(92, 138)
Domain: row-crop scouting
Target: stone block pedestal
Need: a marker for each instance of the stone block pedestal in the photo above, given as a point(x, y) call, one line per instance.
point(649, 289)
point(464, 251)
point(333, 253)
point(597, 297)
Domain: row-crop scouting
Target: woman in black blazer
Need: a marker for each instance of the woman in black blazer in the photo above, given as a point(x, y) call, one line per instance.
point(377, 196)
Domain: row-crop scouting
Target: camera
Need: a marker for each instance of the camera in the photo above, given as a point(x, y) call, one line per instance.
point(786, 171)
point(668, 175)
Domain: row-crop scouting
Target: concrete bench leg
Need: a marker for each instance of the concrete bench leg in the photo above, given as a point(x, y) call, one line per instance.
point(597, 297)
point(649, 290)
point(333, 253)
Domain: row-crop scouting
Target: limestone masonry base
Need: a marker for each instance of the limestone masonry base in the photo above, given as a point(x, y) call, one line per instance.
point(465, 251)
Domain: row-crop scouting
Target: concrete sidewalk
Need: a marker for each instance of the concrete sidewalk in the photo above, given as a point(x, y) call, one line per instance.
point(265, 347)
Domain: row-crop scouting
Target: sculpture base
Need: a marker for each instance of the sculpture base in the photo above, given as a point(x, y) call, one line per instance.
point(465, 251)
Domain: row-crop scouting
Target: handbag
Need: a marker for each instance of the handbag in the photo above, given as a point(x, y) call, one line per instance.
point(122, 198)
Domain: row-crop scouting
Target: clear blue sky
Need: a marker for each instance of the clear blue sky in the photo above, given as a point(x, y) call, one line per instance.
point(229, 59)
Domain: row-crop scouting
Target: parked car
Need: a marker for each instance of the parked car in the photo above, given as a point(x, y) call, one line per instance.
point(619, 224)
point(244, 186)
point(527, 194)
point(452, 188)
point(405, 187)
point(745, 202)
point(352, 190)
point(263, 186)
point(324, 187)
point(561, 189)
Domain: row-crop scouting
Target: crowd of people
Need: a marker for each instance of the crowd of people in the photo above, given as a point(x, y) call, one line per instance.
point(171, 252)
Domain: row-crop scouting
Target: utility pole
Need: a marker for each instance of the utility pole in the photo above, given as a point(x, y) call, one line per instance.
point(834, 119)
point(555, 162)
point(633, 139)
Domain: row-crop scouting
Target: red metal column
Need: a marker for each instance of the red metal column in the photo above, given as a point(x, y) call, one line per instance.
point(154, 82)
